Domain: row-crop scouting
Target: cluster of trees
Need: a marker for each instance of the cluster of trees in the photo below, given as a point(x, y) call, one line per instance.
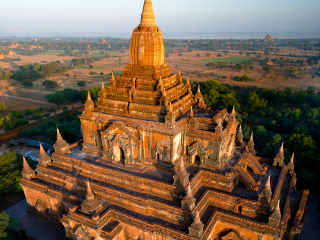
point(68, 124)
point(17, 119)
point(10, 174)
point(276, 116)
point(68, 95)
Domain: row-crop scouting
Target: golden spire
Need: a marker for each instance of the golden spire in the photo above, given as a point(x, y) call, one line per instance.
point(191, 112)
point(179, 73)
point(281, 148)
point(25, 163)
point(42, 151)
point(251, 137)
point(199, 88)
point(112, 76)
point(181, 167)
point(89, 96)
point(268, 184)
point(197, 217)
point(189, 192)
point(59, 138)
point(90, 195)
point(147, 16)
point(292, 159)
point(102, 86)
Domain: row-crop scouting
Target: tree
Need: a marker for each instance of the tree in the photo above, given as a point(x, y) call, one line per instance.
point(27, 83)
point(2, 107)
point(49, 84)
point(225, 52)
point(94, 92)
point(248, 54)
point(90, 66)
point(244, 78)
point(48, 69)
point(219, 55)
point(240, 52)
point(81, 83)
point(198, 55)
point(4, 222)
point(58, 99)
point(10, 172)
point(208, 55)
point(255, 102)
point(75, 76)
point(36, 67)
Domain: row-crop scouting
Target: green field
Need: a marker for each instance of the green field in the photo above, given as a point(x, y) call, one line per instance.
point(234, 60)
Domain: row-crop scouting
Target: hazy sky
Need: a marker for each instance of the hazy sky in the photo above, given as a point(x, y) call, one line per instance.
point(111, 16)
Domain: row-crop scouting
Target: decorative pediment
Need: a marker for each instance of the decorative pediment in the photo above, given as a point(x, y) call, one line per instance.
point(125, 131)
point(82, 233)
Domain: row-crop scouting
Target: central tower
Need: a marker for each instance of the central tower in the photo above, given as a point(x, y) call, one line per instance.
point(147, 47)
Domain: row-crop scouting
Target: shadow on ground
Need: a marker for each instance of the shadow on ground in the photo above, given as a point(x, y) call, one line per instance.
point(34, 226)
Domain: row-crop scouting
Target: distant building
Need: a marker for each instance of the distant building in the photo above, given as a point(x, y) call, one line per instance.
point(270, 63)
point(1, 56)
point(103, 41)
point(12, 53)
point(268, 38)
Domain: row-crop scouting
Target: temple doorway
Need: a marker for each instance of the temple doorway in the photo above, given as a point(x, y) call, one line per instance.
point(122, 156)
point(197, 160)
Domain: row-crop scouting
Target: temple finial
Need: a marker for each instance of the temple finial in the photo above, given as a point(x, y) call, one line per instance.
point(42, 151)
point(59, 137)
point(191, 112)
point(199, 88)
point(189, 191)
point(268, 183)
point(90, 195)
point(179, 73)
point(240, 129)
point(197, 217)
point(102, 86)
point(251, 137)
point(89, 96)
point(281, 148)
point(147, 16)
point(292, 159)
point(112, 76)
point(25, 163)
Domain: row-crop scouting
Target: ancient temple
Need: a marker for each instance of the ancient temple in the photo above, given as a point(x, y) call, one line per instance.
point(268, 38)
point(155, 163)
point(103, 41)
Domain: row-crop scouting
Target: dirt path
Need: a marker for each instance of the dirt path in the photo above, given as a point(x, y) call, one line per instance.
point(27, 99)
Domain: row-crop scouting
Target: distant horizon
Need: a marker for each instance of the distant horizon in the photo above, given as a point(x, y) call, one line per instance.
point(119, 18)
point(167, 35)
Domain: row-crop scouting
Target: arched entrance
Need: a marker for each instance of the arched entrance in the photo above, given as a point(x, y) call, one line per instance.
point(122, 156)
point(197, 160)
point(119, 154)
